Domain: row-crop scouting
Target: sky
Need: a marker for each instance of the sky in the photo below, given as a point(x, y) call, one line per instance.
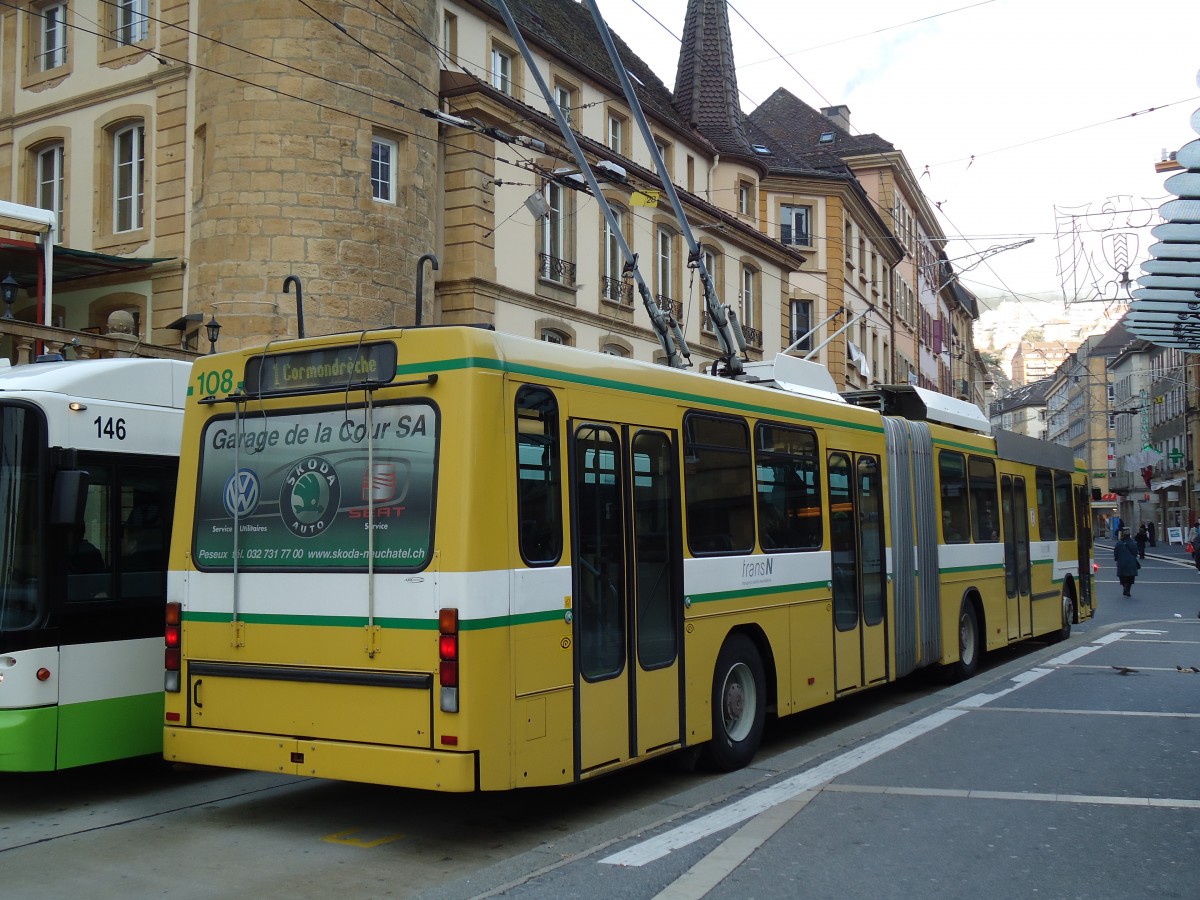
point(1004, 109)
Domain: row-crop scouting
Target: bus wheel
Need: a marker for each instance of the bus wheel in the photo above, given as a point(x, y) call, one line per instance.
point(968, 645)
point(738, 705)
point(1068, 615)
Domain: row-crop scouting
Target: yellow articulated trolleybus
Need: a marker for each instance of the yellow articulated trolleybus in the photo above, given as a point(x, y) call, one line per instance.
point(451, 559)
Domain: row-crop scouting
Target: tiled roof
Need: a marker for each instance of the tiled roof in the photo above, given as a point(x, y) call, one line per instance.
point(706, 91)
point(568, 28)
point(794, 124)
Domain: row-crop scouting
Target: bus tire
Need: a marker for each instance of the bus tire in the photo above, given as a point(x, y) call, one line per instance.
point(739, 703)
point(1068, 616)
point(970, 645)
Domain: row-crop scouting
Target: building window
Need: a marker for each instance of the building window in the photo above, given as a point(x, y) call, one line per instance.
point(132, 21)
point(749, 311)
point(664, 259)
point(449, 37)
point(555, 265)
point(795, 225)
point(745, 201)
point(50, 182)
point(616, 134)
point(383, 170)
point(614, 350)
point(554, 336)
point(664, 152)
point(616, 289)
point(129, 177)
point(54, 37)
point(502, 70)
point(711, 262)
point(800, 324)
point(564, 99)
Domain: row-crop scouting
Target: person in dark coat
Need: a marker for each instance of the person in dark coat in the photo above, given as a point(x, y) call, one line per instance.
point(1150, 534)
point(1140, 540)
point(1126, 555)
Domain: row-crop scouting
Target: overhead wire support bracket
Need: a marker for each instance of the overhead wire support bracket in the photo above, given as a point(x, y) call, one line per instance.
point(724, 320)
point(670, 335)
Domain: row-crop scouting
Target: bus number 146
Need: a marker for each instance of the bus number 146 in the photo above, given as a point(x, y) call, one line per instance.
point(108, 427)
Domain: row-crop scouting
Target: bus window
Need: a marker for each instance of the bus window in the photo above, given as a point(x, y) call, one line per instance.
point(870, 517)
point(843, 543)
point(654, 541)
point(1044, 488)
point(599, 553)
point(717, 475)
point(539, 487)
point(145, 523)
point(1064, 503)
point(298, 484)
point(90, 551)
point(952, 474)
point(789, 495)
point(19, 526)
point(982, 481)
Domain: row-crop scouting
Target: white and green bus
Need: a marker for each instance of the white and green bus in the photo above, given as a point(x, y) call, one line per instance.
point(89, 452)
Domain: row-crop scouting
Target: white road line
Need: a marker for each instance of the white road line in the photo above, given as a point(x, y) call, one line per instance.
point(1093, 712)
point(735, 850)
point(681, 836)
point(1169, 802)
point(753, 804)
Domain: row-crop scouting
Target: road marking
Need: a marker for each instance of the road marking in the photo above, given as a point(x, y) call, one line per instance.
point(1095, 712)
point(341, 837)
point(753, 804)
point(647, 851)
point(736, 849)
point(1167, 802)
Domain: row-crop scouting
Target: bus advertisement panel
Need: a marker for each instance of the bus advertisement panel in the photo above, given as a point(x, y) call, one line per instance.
point(305, 488)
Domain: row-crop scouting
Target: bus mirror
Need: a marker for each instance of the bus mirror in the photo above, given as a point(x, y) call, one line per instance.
point(70, 494)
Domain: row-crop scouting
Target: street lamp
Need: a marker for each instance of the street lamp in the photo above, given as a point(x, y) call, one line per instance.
point(9, 289)
point(214, 331)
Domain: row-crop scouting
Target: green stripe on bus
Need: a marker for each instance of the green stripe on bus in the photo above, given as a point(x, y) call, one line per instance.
point(958, 570)
point(759, 591)
point(383, 622)
point(496, 365)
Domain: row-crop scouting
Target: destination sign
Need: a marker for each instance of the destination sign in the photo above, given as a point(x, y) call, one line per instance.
point(310, 370)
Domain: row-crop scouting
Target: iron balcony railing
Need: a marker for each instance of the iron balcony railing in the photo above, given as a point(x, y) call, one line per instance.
point(556, 269)
point(618, 291)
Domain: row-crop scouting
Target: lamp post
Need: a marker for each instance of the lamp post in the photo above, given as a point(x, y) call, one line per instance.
point(214, 331)
point(8, 287)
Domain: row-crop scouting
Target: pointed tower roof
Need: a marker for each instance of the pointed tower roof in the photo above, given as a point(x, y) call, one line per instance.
point(706, 91)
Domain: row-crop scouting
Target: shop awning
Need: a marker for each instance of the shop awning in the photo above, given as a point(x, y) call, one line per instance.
point(1165, 483)
point(23, 260)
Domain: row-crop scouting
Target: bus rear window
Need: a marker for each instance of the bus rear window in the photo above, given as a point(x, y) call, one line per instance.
point(305, 490)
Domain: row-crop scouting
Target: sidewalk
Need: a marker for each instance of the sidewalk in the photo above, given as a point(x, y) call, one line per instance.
point(1164, 550)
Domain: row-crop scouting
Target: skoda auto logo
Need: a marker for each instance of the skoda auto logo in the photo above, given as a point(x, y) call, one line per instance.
point(241, 494)
point(310, 497)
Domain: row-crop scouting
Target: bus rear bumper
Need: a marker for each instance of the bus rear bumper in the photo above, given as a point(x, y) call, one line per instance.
point(396, 766)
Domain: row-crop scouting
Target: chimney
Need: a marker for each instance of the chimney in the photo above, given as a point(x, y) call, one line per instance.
point(839, 115)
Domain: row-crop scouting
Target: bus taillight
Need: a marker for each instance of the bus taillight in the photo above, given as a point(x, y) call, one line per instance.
point(448, 658)
point(171, 658)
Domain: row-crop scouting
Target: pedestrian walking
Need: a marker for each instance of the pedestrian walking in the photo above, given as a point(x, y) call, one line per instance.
point(1140, 540)
point(1150, 534)
point(1194, 543)
point(1126, 555)
point(1116, 527)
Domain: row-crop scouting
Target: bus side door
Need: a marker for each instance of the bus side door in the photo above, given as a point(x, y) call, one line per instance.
point(627, 583)
point(1018, 585)
point(859, 571)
